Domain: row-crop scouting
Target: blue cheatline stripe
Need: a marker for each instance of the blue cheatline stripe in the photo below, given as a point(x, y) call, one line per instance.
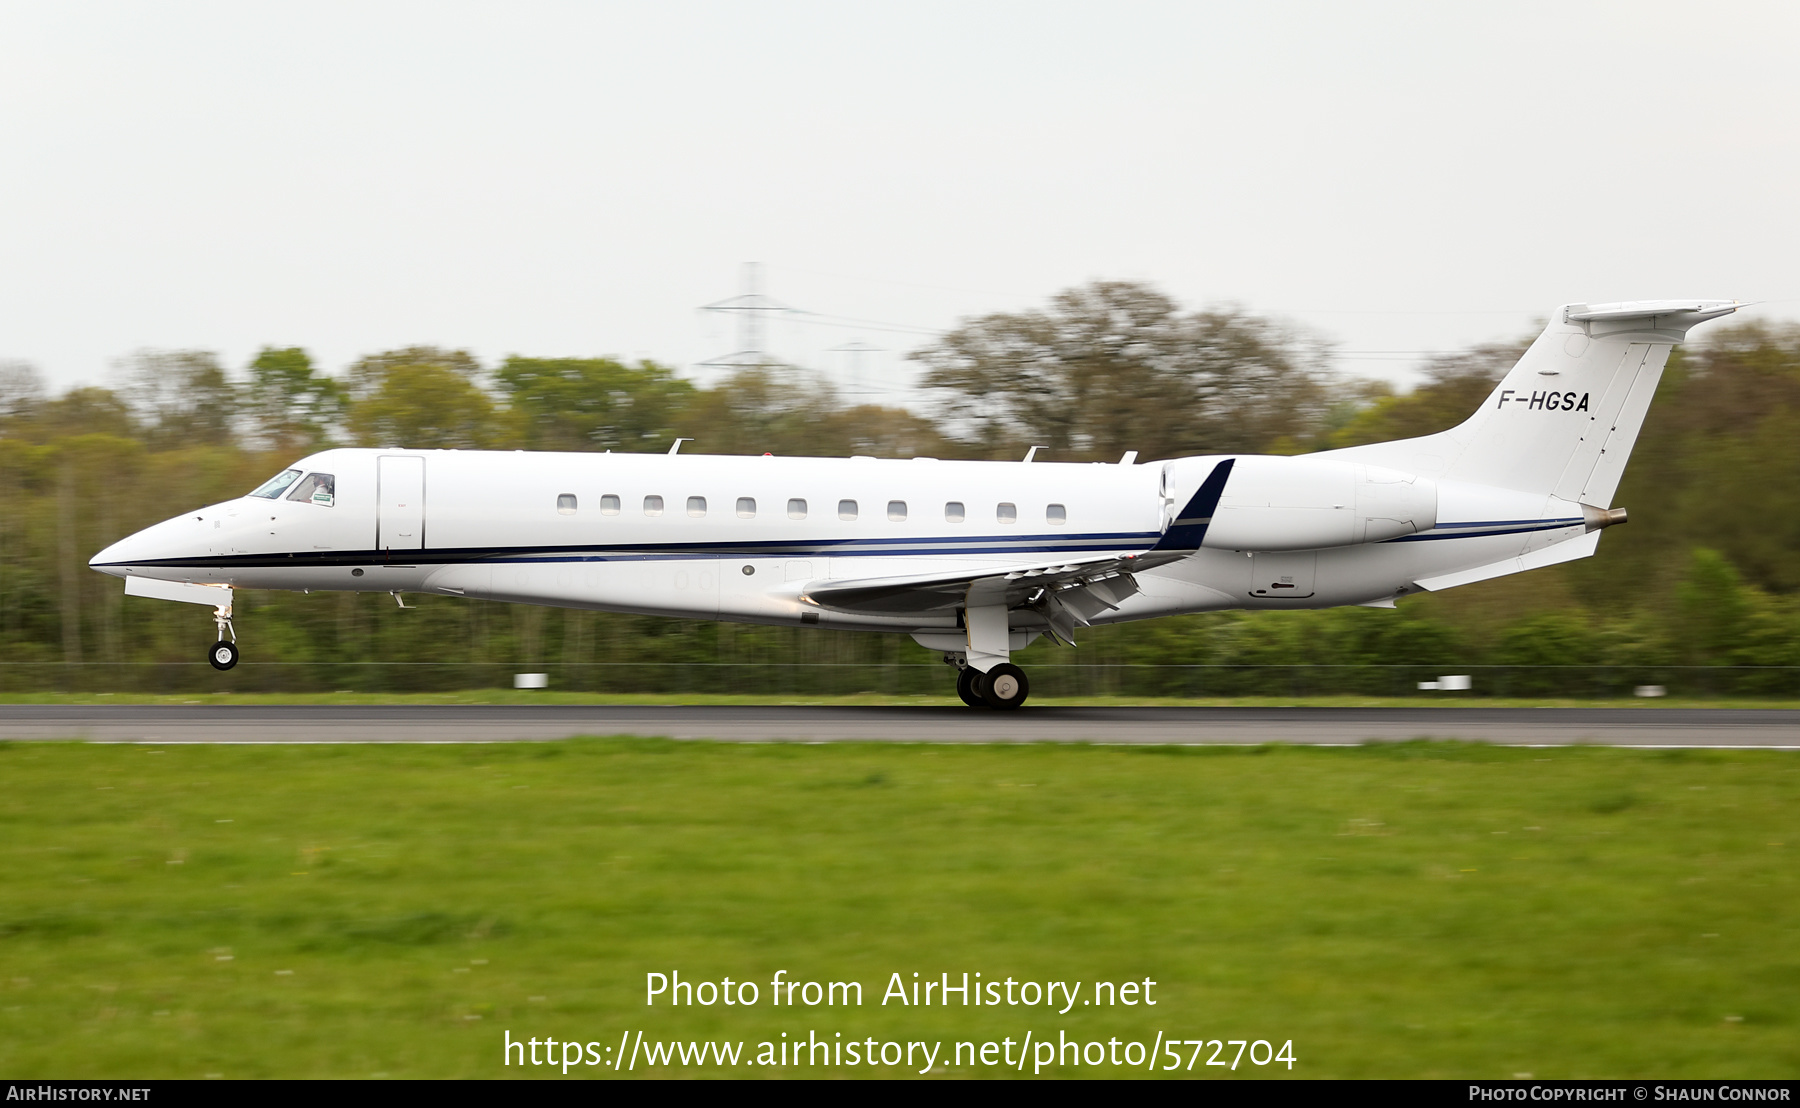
point(1493, 529)
point(641, 556)
point(1023, 545)
point(1044, 546)
point(1509, 522)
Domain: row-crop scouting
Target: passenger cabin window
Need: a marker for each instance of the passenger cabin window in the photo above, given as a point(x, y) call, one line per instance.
point(315, 488)
point(1056, 515)
point(846, 509)
point(609, 504)
point(1007, 513)
point(277, 484)
point(746, 507)
point(696, 506)
point(896, 511)
point(796, 509)
point(653, 505)
point(565, 504)
point(953, 512)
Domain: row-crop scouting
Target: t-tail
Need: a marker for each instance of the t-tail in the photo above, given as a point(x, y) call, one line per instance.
point(1564, 420)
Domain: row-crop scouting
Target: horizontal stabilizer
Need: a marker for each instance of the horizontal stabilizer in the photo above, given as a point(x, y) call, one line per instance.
point(1680, 313)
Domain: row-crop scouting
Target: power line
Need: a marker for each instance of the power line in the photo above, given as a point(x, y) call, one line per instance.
point(907, 284)
point(752, 309)
point(855, 351)
point(823, 320)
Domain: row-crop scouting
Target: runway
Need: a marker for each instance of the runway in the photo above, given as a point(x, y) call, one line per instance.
point(1646, 727)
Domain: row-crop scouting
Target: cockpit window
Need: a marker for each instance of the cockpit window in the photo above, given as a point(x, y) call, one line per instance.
point(277, 484)
point(315, 488)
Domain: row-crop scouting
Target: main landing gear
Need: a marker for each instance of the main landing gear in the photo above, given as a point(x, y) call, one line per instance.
point(223, 654)
point(968, 686)
point(1003, 686)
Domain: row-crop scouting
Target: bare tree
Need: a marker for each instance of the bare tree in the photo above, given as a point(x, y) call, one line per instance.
point(21, 390)
point(1117, 365)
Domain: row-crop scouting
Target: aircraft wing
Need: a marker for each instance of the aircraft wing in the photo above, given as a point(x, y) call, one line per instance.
point(1105, 577)
point(1067, 592)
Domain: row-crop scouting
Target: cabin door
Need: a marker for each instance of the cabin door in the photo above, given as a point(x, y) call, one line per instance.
point(400, 485)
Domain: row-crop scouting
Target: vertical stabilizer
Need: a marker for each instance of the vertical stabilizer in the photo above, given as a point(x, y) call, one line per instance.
point(1564, 420)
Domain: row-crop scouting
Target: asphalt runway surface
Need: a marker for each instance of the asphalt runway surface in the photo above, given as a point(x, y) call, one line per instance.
point(1641, 727)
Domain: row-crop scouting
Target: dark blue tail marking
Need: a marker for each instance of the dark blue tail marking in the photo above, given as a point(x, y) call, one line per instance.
point(1190, 526)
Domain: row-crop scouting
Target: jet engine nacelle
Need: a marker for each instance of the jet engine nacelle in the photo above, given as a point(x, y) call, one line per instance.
point(1276, 503)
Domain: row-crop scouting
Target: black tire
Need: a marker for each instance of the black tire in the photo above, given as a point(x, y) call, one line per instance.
point(968, 686)
point(223, 655)
point(1005, 686)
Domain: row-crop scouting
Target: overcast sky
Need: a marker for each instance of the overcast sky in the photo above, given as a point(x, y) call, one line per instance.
point(579, 178)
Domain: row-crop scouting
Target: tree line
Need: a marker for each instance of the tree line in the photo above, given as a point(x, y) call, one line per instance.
point(1704, 576)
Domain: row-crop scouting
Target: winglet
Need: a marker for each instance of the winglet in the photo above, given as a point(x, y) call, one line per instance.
point(1190, 526)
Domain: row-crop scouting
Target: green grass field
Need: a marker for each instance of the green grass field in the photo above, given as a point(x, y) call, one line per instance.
point(1398, 910)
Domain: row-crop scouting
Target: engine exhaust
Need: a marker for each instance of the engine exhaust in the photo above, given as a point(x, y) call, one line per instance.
point(1597, 518)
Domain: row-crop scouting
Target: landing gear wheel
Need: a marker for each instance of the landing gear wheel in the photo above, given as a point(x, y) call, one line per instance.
point(223, 655)
point(968, 686)
point(1005, 686)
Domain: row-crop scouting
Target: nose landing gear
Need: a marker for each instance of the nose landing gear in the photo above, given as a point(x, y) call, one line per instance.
point(223, 655)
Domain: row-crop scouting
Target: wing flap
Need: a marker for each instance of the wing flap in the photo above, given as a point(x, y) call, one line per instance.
point(1009, 585)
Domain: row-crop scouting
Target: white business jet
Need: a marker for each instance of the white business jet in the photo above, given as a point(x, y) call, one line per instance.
point(973, 559)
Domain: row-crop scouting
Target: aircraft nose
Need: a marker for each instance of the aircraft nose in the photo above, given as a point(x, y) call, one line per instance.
point(170, 538)
point(115, 557)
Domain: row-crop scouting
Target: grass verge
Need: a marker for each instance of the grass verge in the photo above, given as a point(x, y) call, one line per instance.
point(1417, 909)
